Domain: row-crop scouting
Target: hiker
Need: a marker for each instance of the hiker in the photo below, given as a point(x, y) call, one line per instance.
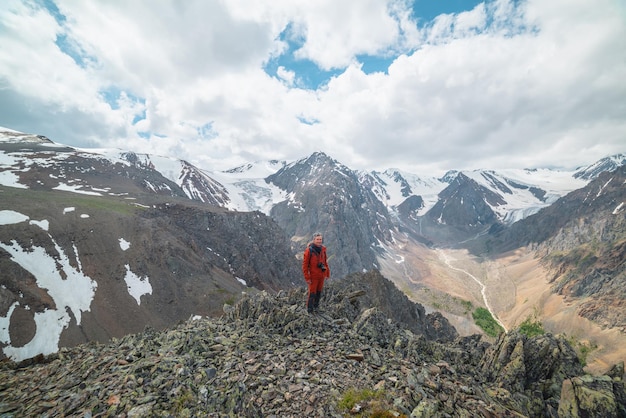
point(316, 270)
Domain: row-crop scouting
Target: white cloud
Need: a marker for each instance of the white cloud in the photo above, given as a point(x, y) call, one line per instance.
point(287, 76)
point(507, 83)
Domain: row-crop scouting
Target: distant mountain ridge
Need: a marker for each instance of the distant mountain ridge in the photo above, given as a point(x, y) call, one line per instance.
point(314, 193)
point(592, 171)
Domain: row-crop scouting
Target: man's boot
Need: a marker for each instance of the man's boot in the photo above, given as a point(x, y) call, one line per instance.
point(310, 304)
point(316, 301)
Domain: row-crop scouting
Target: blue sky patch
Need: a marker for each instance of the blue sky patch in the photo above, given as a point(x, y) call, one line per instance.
point(206, 131)
point(63, 41)
point(308, 74)
point(51, 7)
point(113, 94)
point(375, 64)
point(426, 10)
point(72, 50)
point(139, 117)
point(308, 121)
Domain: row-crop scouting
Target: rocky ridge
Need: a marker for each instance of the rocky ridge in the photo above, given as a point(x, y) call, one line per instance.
point(267, 357)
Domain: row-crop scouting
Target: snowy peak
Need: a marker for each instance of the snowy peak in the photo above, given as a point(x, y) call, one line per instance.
point(316, 170)
point(465, 202)
point(449, 176)
point(606, 164)
point(522, 192)
point(199, 186)
point(394, 186)
point(33, 161)
point(258, 169)
point(10, 136)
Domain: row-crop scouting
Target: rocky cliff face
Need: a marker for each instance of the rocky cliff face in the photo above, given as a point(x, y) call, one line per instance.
point(268, 357)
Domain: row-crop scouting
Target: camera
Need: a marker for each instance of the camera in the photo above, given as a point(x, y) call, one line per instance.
point(321, 266)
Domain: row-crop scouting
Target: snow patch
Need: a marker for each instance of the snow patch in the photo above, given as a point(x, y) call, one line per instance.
point(124, 245)
point(71, 292)
point(137, 286)
point(9, 217)
point(75, 189)
point(45, 225)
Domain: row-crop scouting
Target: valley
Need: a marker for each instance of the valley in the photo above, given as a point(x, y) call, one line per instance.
point(514, 286)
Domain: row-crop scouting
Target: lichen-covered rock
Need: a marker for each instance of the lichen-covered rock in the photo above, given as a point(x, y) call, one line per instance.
point(529, 367)
point(589, 396)
point(374, 325)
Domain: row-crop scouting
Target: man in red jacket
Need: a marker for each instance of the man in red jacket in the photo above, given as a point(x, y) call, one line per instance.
point(315, 269)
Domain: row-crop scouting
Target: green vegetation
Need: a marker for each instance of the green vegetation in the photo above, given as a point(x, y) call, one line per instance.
point(353, 397)
point(361, 403)
point(531, 327)
point(486, 322)
point(582, 348)
point(181, 403)
point(36, 199)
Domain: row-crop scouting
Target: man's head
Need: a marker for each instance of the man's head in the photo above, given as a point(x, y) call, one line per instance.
point(318, 239)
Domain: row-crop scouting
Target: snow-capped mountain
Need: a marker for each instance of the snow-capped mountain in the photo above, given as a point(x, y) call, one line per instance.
point(394, 186)
point(605, 164)
point(521, 192)
point(509, 194)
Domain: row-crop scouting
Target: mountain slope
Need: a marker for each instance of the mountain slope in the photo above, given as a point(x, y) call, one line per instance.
point(94, 247)
point(582, 237)
point(592, 171)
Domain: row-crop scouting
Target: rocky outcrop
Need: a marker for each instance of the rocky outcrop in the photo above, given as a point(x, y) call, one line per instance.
point(530, 366)
point(594, 396)
point(267, 357)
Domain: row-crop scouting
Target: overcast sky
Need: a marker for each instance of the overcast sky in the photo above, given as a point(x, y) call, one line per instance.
point(421, 85)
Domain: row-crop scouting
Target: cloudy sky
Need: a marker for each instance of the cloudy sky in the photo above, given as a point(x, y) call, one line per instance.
point(420, 85)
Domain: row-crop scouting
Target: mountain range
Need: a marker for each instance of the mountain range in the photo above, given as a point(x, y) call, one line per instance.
point(99, 243)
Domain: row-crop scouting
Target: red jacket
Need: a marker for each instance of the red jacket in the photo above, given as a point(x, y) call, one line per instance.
point(310, 264)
